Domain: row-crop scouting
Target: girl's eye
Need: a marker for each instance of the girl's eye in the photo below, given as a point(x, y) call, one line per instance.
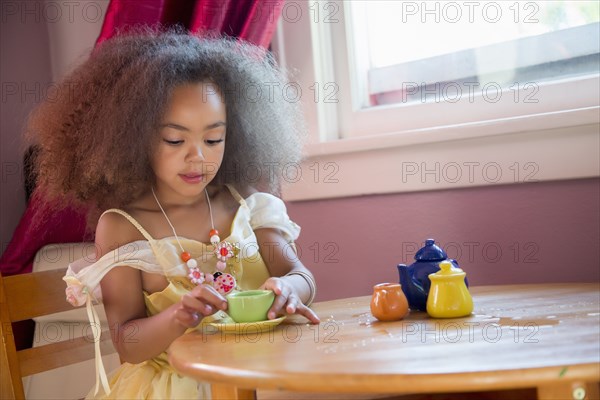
point(173, 142)
point(214, 142)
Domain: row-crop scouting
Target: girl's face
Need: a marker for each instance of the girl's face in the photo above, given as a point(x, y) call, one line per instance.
point(192, 141)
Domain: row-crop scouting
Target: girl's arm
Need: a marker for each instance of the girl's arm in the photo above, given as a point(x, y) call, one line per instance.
point(291, 291)
point(136, 336)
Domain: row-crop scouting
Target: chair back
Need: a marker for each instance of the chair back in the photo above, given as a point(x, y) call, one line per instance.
point(28, 296)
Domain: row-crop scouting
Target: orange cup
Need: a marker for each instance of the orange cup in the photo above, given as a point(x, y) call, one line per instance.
point(388, 302)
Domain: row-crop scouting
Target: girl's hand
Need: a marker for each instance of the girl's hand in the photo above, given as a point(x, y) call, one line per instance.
point(201, 302)
point(287, 301)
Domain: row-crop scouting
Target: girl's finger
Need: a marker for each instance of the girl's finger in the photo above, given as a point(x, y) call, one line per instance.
point(187, 318)
point(273, 284)
point(280, 301)
point(295, 306)
point(208, 295)
point(308, 313)
point(292, 304)
point(192, 303)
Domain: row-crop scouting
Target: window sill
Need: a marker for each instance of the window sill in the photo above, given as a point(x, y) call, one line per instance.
point(541, 147)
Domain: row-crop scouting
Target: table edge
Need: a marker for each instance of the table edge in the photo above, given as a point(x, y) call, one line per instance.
point(392, 383)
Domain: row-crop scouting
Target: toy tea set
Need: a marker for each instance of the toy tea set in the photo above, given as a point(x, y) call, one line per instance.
point(246, 313)
point(249, 305)
point(433, 283)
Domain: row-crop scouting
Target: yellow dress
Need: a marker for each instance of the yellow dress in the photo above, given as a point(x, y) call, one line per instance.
point(154, 378)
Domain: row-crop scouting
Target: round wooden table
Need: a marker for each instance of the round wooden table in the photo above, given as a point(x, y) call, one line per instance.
point(522, 336)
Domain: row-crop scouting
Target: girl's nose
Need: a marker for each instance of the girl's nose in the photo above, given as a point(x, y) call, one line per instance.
point(195, 153)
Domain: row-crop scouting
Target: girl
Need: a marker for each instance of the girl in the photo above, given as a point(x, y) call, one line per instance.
point(171, 134)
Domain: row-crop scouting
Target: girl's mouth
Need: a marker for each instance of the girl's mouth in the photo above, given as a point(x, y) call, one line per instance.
point(192, 178)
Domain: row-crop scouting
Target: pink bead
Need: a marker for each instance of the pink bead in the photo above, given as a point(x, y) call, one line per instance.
point(221, 265)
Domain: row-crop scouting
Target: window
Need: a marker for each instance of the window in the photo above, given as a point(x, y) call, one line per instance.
point(487, 59)
point(469, 48)
point(381, 77)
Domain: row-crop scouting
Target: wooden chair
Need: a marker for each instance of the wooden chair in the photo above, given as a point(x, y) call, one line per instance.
point(29, 296)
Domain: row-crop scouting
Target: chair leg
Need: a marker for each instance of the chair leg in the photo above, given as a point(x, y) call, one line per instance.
point(569, 390)
point(11, 386)
point(227, 392)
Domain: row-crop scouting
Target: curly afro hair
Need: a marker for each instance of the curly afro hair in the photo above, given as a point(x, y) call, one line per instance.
point(97, 130)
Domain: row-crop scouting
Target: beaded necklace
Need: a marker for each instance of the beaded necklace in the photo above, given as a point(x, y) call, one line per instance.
point(223, 250)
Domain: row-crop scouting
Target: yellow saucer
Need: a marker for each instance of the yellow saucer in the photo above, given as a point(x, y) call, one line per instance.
point(227, 325)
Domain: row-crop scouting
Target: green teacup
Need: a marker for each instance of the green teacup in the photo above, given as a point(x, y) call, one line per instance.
point(250, 305)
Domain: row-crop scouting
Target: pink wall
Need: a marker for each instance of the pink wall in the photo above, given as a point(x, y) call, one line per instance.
point(539, 232)
point(40, 42)
point(25, 75)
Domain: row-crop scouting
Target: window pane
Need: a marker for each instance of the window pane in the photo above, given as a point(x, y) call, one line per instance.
point(420, 47)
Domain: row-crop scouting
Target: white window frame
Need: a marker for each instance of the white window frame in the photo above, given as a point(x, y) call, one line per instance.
point(356, 151)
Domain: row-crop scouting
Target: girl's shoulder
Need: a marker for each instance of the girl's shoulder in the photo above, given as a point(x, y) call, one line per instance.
point(232, 196)
point(113, 231)
point(246, 191)
point(119, 227)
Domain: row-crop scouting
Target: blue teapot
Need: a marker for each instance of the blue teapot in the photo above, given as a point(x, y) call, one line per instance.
point(414, 279)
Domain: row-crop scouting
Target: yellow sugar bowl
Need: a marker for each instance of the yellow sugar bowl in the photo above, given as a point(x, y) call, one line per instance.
point(448, 295)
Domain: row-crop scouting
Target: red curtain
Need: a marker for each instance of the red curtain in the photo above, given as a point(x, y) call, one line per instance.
point(251, 20)
point(63, 226)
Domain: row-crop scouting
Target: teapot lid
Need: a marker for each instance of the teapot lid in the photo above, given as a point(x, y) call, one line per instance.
point(430, 252)
point(447, 271)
